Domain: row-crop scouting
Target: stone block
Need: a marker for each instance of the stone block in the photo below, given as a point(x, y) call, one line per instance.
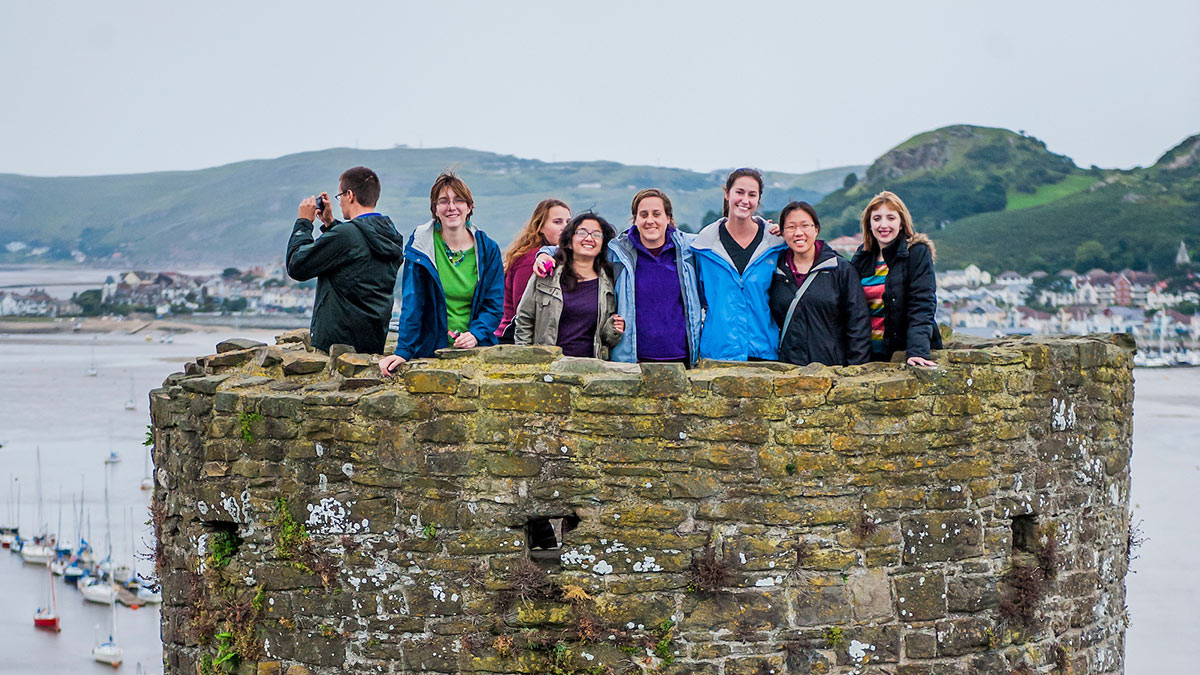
point(870, 595)
point(742, 385)
point(664, 380)
point(238, 344)
point(526, 396)
point(613, 386)
point(429, 381)
point(392, 405)
point(897, 388)
point(203, 385)
point(520, 354)
point(972, 593)
point(963, 636)
point(448, 429)
point(940, 536)
point(920, 596)
point(303, 363)
point(920, 644)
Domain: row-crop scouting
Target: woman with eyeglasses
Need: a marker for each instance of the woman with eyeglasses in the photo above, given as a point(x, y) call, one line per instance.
point(575, 307)
point(452, 282)
point(545, 226)
point(816, 297)
point(735, 261)
point(657, 290)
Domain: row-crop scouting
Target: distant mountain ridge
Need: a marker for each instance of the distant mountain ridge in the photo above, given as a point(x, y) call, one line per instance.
point(993, 197)
point(243, 212)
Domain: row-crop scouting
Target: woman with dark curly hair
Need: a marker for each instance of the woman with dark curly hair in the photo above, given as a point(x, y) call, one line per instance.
point(574, 307)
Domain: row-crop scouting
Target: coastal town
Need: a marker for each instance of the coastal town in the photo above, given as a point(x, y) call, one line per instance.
point(1160, 311)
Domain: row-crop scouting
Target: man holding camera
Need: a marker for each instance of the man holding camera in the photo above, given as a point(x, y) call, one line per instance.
point(355, 263)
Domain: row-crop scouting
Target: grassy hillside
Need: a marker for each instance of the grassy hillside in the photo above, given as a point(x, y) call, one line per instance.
point(1120, 219)
point(243, 212)
point(952, 173)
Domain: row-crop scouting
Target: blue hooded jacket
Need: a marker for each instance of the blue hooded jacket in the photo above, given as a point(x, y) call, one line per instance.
point(623, 257)
point(737, 321)
point(422, 326)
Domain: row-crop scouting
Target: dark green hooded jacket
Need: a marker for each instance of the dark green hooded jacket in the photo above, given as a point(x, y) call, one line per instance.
point(355, 264)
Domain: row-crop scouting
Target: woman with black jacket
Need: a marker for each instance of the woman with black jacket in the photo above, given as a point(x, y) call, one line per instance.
point(816, 298)
point(896, 267)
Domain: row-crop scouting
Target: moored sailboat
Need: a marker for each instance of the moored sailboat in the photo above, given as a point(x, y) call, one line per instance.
point(47, 617)
point(108, 651)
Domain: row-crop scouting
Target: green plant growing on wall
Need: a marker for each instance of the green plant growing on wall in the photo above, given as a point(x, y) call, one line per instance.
point(834, 636)
point(226, 660)
point(430, 531)
point(245, 421)
point(149, 441)
point(222, 546)
point(663, 649)
point(289, 535)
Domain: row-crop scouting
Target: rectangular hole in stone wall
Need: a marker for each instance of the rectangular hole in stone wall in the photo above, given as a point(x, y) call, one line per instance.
point(1024, 533)
point(544, 535)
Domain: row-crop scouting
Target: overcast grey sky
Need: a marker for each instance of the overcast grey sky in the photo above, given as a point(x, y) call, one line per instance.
point(118, 87)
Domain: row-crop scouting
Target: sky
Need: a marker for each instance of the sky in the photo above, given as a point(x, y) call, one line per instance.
point(126, 87)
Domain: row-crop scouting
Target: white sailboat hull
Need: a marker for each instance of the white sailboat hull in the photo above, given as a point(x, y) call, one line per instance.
point(35, 554)
point(108, 653)
point(99, 592)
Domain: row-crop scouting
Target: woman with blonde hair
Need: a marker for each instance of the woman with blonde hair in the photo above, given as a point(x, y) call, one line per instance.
point(895, 264)
point(545, 226)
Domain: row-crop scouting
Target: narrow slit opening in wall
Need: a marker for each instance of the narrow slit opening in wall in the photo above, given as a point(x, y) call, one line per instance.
point(544, 535)
point(1024, 533)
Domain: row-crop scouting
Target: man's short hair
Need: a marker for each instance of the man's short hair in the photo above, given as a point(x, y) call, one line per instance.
point(363, 183)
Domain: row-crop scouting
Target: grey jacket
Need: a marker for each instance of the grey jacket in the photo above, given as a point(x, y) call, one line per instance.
point(542, 303)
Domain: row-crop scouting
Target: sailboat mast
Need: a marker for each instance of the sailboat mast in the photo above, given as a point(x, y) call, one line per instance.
point(37, 476)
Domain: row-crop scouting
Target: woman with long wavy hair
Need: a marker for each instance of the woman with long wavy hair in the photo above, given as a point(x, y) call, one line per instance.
point(895, 264)
point(544, 227)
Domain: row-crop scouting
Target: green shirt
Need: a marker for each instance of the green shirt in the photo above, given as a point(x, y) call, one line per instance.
point(458, 283)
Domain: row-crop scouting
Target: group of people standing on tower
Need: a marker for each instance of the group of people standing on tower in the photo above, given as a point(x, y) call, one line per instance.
point(741, 289)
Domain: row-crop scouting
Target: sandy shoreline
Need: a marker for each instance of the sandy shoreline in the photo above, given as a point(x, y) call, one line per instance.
point(129, 326)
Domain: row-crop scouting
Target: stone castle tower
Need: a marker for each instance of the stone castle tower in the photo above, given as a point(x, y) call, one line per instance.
point(510, 510)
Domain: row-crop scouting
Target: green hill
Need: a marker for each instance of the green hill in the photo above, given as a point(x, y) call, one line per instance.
point(951, 173)
point(242, 213)
point(1107, 219)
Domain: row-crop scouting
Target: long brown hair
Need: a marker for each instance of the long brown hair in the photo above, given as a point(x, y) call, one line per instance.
point(740, 173)
point(893, 202)
point(531, 235)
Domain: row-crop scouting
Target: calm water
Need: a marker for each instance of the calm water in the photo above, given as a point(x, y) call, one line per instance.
point(47, 401)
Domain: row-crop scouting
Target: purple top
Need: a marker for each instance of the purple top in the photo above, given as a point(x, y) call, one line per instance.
point(661, 322)
point(577, 323)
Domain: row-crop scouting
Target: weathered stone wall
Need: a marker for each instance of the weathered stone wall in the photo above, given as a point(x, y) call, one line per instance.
point(733, 518)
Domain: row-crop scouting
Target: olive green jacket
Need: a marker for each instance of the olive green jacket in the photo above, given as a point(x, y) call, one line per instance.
point(542, 303)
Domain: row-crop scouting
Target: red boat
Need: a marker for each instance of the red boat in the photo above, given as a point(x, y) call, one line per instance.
point(47, 619)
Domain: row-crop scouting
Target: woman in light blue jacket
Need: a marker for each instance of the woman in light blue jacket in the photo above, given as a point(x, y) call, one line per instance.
point(655, 280)
point(735, 260)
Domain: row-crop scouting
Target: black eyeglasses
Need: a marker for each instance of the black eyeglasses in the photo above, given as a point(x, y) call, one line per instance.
point(341, 194)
